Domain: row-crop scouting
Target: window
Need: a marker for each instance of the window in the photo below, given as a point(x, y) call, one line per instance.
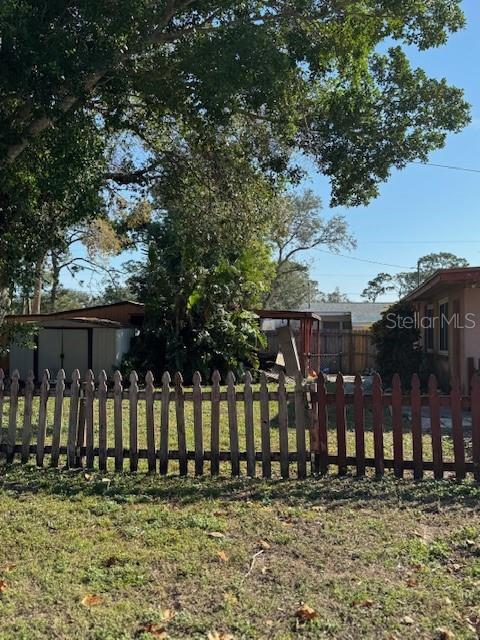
point(443, 312)
point(429, 330)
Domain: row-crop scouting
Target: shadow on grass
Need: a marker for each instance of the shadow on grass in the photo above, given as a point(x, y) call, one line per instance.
point(330, 491)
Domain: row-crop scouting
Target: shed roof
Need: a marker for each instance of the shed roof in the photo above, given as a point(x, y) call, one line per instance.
point(83, 312)
point(362, 312)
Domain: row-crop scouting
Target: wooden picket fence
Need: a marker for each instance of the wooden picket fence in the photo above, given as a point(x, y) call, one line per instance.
point(317, 416)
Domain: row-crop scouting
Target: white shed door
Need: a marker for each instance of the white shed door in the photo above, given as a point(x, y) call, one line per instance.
point(75, 351)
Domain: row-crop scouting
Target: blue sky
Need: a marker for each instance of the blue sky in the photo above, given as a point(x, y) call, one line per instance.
point(422, 209)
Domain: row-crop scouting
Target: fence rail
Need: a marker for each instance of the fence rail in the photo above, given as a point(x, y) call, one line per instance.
point(302, 428)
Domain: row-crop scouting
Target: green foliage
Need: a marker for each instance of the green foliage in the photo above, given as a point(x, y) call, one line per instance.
point(406, 281)
point(397, 339)
point(20, 334)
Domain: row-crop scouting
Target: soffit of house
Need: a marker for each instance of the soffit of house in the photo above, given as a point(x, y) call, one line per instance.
point(445, 281)
point(78, 323)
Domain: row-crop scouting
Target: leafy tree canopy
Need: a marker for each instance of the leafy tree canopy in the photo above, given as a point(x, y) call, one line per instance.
point(406, 281)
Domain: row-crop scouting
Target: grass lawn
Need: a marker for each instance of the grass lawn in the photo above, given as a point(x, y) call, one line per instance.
point(92, 556)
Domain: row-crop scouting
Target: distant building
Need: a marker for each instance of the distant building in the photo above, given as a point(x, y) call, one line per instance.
point(358, 316)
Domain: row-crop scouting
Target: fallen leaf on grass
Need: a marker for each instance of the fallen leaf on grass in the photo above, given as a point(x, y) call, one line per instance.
point(168, 614)
point(3, 586)
point(9, 567)
point(407, 620)
point(155, 630)
point(220, 636)
point(443, 634)
point(304, 613)
point(222, 556)
point(364, 603)
point(91, 600)
point(87, 476)
point(215, 534)
point(411, 582)
point(263, 544)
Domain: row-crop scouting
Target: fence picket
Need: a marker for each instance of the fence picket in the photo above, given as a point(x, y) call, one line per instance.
point(12, 417)
point(377, 416)
point(359, 420)
point(102, 421)
point(89, 419)
point(249, 426)
point(265, 427)
point(322, 425)
point(42, 417)
point(457, 430)
point(27, 417)
point(417, 445)
point(118, 420)
point(180, 413)
point(341, 425)
point(133, 420)
point(73, 418)
point(150, 419)
point(2, 395)
point(233, 424)
point(300, 427)
point(198, 423)
point(434, 404)
point(79, 459)
point(283, 426)
point(215, 425)
point(164, 423)
point(476, 425)
point(397, 426)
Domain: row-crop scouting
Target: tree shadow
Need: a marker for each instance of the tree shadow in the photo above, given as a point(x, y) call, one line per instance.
point(330, 491)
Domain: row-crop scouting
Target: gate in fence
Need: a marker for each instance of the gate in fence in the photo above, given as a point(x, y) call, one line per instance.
point(273, 430)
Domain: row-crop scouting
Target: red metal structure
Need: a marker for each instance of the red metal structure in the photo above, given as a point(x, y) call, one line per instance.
point(308, 340)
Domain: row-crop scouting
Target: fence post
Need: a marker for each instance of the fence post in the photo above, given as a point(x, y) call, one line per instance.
point(417, 444)
point(232, 423)
point(322, 425)
point(180, 415)
point(215, 425)
point(457, 430)
point(300, 427)
point(132, 420)
point(164, 423)
point(397, 426)
point(102, 421)
point(42, 417)
point(12, 417)
point(57, 418)
point(118, 419)
point(435, 429)
point(283, 426)
point(359, 418)
point(341, 425)
point(475, 406)
point(265, 427)
point(27, 417)
point(150, 418)
point(249, 427)
point(198, 423)
point(377, 415)
point(89, 438)
point(73, 418)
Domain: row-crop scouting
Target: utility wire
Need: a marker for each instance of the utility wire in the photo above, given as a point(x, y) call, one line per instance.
point(383, 264)
point(447, 166)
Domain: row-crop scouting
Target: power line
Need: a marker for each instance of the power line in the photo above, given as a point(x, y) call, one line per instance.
point(383, 264)
point(420, 241)
point(447, 166)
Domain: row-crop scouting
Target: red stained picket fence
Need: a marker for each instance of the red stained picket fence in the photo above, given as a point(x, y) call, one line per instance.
point(331, 427)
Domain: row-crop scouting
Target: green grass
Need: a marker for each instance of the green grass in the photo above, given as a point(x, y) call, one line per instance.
point(373, 558)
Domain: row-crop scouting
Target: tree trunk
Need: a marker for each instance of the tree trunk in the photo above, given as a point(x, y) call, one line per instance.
point(55, 282)
point(37, 291)
point(4, 303)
